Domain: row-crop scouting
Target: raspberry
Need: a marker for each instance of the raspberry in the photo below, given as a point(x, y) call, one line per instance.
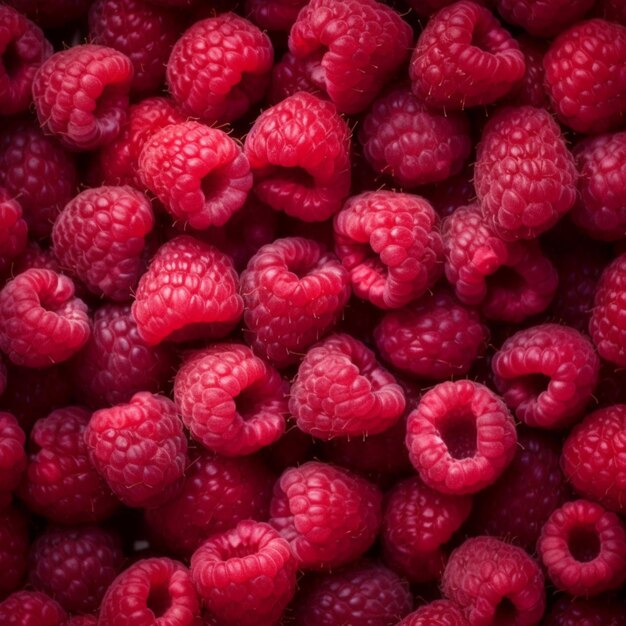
point(13, 229)
point(150, 592)
point(494, 583)
point(586, 76)
point(294, 292)
point(361, 594)
point(3, 376)
point(390, 244)
point(276, 15)
point(530, 90)
point(583, 548)
point(614, 11)
point(452, 193)
point(189, 291)
point(299, 154)
point(594, 457)
point(461, 437)
point(341, 390)
point(417, 522)
point(199, 173)
point(14, 541)
point(525, 177)
point(82, 620)
point(352, 48)
point(75, 566)
point(599, 611)
point(48, 15)
point(31, 608)
point(464, 58)
point(329, 515)
point(289, 76)
point(220, 67)
point(12, 456)
point(228, 569)
point(438, 613)
point(413, 144)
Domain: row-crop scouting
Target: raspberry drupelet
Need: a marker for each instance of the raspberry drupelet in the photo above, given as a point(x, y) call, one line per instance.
point(31, 608)
point(13, 229)
point(12, 456)
point(437, 613)
point(289, 76)
point(530, 90)
point(14, 545)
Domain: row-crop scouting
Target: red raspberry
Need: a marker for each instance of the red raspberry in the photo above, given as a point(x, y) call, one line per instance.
point(586, 76)
point(525, 177)
point(594, 457)
point(494, 583)
point(299, 154)
point(228, 569)
point(51, 15)
point(294, 292)
point(417, 522)
point(614, 11)
point(82, 620)
point(189, 291)
point(199, 173)
point(13, 229)
point(530, 90)
point(464, 58)
point(461, 437)
point(599, 611)
point(31, 608)
point(341, 390)
point(14, 542)
point(75, 566)
point(361, 594)
point(12, 456)
point(352, 48)
point(289, 76)
point(276, 15)
point(3, 376)
point(139, 448)
point(390, 244)
point(452, 193)
point(41, 322)
point(329, 515)
point(220, 67)
point(438, 613)
point(149, 593)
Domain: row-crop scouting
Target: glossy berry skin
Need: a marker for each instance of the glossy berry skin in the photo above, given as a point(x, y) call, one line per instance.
point(14, 543)
point(275, 15)
point(246, 576)
point(31, 608)
point(603, 610)
point(13, 229)
point(12, 456)
point(437, 613)
point(289, 76)
point(329, 515)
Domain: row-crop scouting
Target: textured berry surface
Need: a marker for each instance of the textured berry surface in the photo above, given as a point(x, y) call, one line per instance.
point(12, 455)
point(31, 608)
point(599, 611)
point(530, 90)
point(438, 613)
point(14, 542)
point(289, 76)
point(13, 229)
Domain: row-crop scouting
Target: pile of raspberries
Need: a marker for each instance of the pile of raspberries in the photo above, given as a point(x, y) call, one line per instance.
point(312, 313)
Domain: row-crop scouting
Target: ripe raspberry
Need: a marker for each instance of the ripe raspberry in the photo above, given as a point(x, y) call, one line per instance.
point(494, 583)
point(75, 566)
point(31, 608)
point(600, 611)
point(276, 15)
point(3, 376)
point(151, 592)
point(452, 193)
point(438, 613)
point(14, 542)
point(82, 620)
point(594, 457)
point(461, 437)
point(352, 48)
point(51, 15)
point(294, 292)
point(289, 76)
point(220, 67)
point(530, 90)
point(13, 229)
point(12, 456)
point(299, 154)
point(329, 515)
point(612, 10)
point(464, 58)
point(586, 76)
point(199, 173)
point(189, 291)
point(228, 569)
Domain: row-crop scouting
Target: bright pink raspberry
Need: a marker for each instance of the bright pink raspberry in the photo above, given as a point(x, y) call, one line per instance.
point(189, 291)
point(294, 292)
point(594, 457)
point(51, 15)
point(199, 173)
point(75, 566)
point(31, 608)
point(461, 437)
point(41, 322)
point(586, 76)
point(599, 611)
point(464, 58)
point(275, 15)
point(530, 90)
point(289, 76)
point(228, 569)
point(525, 177)
point(12, 456)
point(151, 592)
point(437, 613)
point(220, 67)
point(86, 103)
point(299, 154)
point(139, 448)
point(352, 48)
point(14, 543)
point(494, 583)
point(13, 229)
point(329, 515)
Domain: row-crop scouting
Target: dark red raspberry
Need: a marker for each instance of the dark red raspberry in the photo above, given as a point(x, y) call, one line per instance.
point(276, 15)
point(299, 154)
point(530, 90)
point(139, 448)
point(594, 457)
point(417, 522)
point(13, 229)
point(361, 594)
point(452, 193)
point(599, 611)
point(51, 15)
point(289, 76)
point(149, 593)
point(461, 437)
point(189, 291)
point(586, 76)
point(438, 613)
point(12, 456)
point(494, 583)
point(294, 292)
point(464, 58)
point(14, 542)
point(612, 10)
point(82, 620)
point(220, 67)
point(351, 47)
point(228, 569)
point(525, 177)
point(75, 566)
point(329, 515)
point(31, 608)
point(3, 376)
point(199, 173)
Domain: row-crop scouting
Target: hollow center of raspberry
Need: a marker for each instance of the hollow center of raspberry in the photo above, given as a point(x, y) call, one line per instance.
point(533, 384)
point(505, 277)
point(584, 544)
point(246, 403)
point(237, 551)
point(214, 184)
point(300, 267)
point(459, 434)
point(506, 613)
point(105, 102)
point(297, 176)
point(11, 59)
point(159, 600)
